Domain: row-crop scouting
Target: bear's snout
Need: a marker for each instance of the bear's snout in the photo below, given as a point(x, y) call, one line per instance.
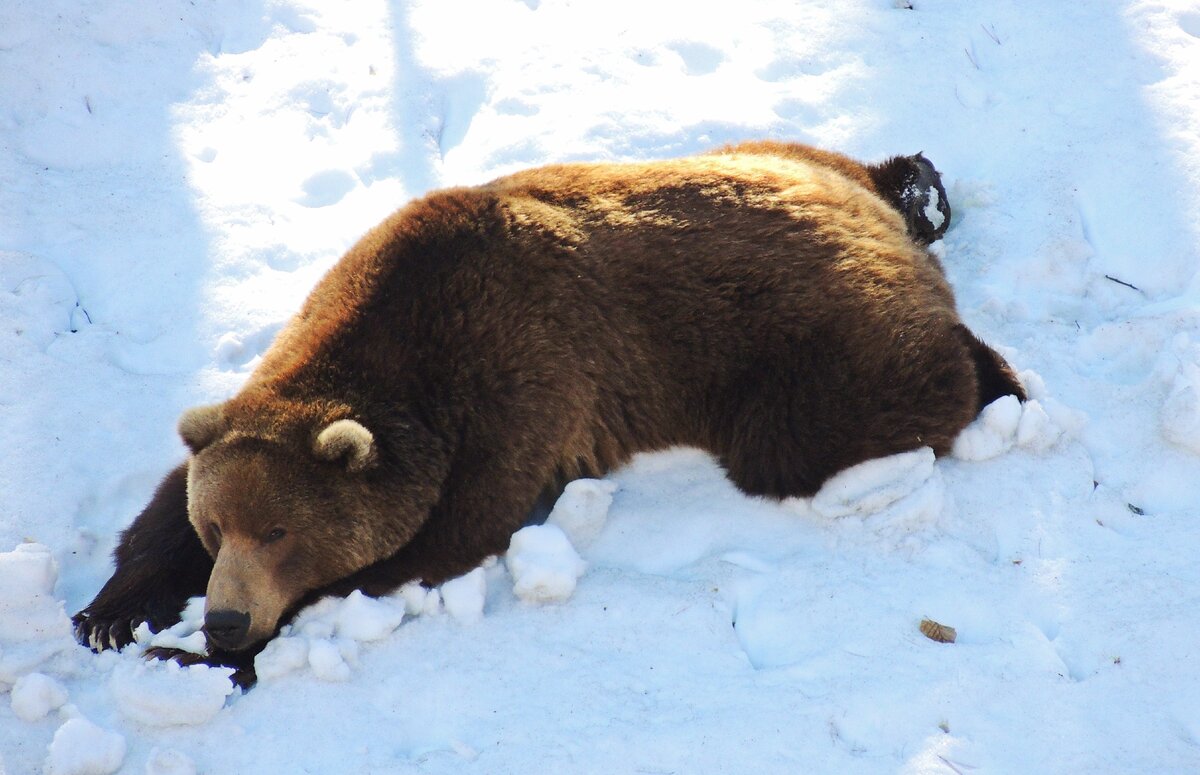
point(227, 628)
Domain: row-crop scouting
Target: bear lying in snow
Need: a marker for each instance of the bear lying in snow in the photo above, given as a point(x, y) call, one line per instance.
point(769, 302)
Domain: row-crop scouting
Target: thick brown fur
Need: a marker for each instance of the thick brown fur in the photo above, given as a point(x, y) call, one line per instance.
point(768, 303)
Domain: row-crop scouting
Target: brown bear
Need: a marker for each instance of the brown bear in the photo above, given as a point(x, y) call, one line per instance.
point(771, 303)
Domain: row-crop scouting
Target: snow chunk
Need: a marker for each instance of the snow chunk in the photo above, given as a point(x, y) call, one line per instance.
point(992, 433)
point(80, 747)
point(873, 485)
point(1036, 430)
point(931, 209)
point(365, 618)
point(186, 634)
point(326, 661)
point(419, 600)
point(281, 656)
point(463, 597)
point(34, 695)
point(543, 564)
point(165, 693)
point(1180, 416)
point(168, 761)
point(1006, 422)
point(582, 510)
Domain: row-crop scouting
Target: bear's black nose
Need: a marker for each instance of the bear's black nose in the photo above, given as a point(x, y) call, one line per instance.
point(227, 628)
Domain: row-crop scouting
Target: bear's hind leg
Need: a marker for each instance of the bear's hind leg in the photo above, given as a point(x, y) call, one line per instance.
point(160, 563)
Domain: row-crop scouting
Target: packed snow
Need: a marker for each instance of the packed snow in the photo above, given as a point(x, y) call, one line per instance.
point(177, 175)
point(543, 564)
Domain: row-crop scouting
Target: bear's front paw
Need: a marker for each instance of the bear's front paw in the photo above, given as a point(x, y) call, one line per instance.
point(242, 662)
point(184, 658)
point(104, 632)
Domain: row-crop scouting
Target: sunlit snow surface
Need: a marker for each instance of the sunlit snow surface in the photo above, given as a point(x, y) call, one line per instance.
point(175, 176)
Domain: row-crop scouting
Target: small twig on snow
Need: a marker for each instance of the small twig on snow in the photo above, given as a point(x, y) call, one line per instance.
point(971, 57)
point(991, 34)
point(1122, 282)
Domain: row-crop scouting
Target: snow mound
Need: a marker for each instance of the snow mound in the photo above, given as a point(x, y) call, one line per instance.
point(543, 564)
point(34, 695)
point(33, 625)
point(1006, 423)
point(582, 510)
point(1180, 416)
point(873, 485)
point(363, 618)
point(887, 496)
point(281, 656)
point(992, 433)
point(80, 747)
point(325, 636)
point(162, 693)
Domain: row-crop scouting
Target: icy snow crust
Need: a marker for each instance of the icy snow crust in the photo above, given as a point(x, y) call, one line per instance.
point(176, 176)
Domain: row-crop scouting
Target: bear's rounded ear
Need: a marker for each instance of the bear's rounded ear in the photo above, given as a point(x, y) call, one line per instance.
point(201, 425)
point(346, 439)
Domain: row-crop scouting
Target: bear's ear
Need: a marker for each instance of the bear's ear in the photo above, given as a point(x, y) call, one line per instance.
point(346, 439)
point(201, 425)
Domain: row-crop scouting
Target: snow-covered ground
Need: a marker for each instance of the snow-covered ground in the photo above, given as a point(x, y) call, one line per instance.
point(175, 176)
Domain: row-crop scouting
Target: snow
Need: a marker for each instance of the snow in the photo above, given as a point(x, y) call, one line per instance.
point(163, 694)
point(34, 695)
point(463, 597)
point(34, 628)
point(543, 564)
point(931, 210)
point(582, 509)
point(168, 761)
point(80, 747)
point(177, 176)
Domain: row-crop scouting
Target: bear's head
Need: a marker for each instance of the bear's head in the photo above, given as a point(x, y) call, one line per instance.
point(288, 502)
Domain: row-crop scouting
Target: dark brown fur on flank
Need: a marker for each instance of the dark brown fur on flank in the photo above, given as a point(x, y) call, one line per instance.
point(769, 303)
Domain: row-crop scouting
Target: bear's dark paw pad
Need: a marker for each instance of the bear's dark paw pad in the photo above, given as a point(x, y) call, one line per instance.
point(100, 633)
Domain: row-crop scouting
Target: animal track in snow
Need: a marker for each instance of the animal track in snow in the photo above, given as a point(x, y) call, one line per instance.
point(326, 188)
point(234, 350)
point(698, 58)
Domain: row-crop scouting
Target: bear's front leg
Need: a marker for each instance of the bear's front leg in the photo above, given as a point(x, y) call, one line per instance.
point(160, 564)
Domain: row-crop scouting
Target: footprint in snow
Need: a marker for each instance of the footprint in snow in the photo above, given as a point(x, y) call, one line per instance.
point(698, 58)
point(326, 188)
point(234, 350)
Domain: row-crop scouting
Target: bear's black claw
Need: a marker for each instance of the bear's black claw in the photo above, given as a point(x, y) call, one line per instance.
point(103, 633)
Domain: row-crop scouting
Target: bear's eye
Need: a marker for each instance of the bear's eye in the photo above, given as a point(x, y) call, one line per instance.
point(275, 535)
